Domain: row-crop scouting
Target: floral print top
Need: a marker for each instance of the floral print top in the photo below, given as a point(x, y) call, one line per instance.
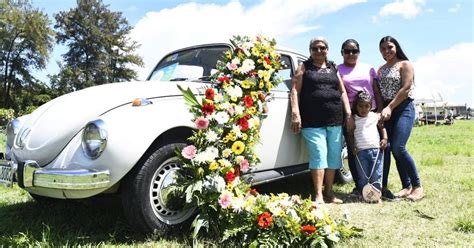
point(390, 82)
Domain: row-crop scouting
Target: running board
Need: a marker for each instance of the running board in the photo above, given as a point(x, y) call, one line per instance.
point(262, 177)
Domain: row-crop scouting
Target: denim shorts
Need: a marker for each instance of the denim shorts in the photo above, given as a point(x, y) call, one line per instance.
point(324, 146)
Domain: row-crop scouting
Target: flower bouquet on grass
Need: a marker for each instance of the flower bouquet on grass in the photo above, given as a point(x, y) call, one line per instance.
point(227, 120)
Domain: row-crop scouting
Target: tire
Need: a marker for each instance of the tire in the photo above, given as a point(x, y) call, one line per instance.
point(344, 175)
point(144, 199)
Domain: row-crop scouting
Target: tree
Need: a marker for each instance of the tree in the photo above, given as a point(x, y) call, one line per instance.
point(26, 41)
point(99, 49)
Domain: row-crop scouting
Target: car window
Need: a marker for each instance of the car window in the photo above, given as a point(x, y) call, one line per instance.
point(188, 64)
point(286, 73)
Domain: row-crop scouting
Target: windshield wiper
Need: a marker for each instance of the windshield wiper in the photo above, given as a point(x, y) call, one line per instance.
point(178, 79)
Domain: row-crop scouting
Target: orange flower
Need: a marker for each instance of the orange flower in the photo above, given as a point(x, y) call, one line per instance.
point(264, 220)
point(308, 229)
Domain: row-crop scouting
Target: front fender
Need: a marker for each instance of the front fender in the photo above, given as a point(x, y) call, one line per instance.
point(131, 131)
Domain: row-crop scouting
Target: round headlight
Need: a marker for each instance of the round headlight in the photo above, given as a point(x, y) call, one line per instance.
point(94, 138)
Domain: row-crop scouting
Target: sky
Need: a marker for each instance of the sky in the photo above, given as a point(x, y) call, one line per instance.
point(436, 35)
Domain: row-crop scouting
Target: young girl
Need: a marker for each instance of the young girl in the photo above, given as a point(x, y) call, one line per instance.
point(367, 144)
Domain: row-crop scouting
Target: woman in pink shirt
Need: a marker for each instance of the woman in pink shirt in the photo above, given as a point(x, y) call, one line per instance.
point(358, 77)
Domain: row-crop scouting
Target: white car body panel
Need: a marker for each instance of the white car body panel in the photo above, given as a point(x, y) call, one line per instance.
point(56, 129)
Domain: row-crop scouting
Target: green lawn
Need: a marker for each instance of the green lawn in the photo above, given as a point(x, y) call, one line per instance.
point(444, 156)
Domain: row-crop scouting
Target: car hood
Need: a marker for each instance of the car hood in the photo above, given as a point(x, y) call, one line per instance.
point(50, 127)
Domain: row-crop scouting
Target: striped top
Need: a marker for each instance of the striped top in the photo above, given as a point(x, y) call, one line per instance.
point(366, 133)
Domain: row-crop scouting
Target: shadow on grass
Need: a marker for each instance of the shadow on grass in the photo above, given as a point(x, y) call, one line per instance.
point(62, 223)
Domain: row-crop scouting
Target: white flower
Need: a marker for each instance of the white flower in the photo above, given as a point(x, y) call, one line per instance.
point(317, 213)
point(234, 91)
point(239, 109)
point(235, 61)
point(218, 98)
point(214, 183)
point(247, 66)
point(221, 117)
point(211, 136)
point(238, 204)
point(292, 213)
point(236, 130)
point(207, 155)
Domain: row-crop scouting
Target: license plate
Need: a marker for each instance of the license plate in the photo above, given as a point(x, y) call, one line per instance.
point(6, 173)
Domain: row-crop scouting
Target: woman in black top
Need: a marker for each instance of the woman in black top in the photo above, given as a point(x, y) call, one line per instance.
point(319, 104)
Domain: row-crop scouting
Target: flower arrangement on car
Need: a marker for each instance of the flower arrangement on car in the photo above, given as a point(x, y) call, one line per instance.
point(227, 121)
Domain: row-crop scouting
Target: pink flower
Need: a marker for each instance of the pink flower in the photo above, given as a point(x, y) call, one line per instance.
point(232, 66)
point(244, 165)
point(225, 199)
point(202, 123)
point(189, 152)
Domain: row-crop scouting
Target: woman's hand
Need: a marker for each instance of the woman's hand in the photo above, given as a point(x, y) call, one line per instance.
point(383, 144)
point(295, 122)
point(386, 114)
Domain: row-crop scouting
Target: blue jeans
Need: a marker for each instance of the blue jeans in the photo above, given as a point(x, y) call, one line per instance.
point(369, 158)
point(399, 129)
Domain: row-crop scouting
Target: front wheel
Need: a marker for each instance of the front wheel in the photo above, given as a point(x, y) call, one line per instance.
point(148, 202)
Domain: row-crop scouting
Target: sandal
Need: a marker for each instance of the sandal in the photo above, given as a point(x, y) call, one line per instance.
point(333, 199)
point(417, 193)
point(404, 192)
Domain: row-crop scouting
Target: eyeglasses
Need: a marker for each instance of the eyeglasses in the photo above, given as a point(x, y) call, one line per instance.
point(350, 51)
point(318, 49)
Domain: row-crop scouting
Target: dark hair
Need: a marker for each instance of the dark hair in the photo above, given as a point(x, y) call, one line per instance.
point(400, 54)
point(361, 97)
point(348, 41)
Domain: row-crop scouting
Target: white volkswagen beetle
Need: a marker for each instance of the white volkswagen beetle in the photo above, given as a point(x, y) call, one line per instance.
point(122, 138)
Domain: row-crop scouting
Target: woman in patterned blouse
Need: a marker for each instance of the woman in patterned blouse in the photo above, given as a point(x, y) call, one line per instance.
point(396, 82)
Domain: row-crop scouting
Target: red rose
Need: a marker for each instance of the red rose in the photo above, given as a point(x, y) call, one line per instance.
point(248, 101)
point(208, 108)
point(264, 220)
point(209, 94)
point(308, 229)
point(229, 176)
point(243, 123)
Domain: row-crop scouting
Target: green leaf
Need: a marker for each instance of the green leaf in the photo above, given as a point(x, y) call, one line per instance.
point(189, 97)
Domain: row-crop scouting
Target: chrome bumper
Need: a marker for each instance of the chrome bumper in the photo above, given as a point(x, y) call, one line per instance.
point(33, 175)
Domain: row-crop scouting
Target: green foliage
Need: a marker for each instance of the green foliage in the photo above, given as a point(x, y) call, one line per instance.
point(99, 49)
point(5, 116)
point(26, 41)
point(465, 225)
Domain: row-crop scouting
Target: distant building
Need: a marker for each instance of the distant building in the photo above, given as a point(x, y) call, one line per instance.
point(439, 110)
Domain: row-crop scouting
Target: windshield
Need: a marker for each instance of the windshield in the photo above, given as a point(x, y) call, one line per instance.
point(192, 64)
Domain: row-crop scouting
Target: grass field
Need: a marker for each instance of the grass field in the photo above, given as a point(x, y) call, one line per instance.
point(445, 160)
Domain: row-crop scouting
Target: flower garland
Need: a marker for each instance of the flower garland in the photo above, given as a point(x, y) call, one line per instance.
point(227, 123)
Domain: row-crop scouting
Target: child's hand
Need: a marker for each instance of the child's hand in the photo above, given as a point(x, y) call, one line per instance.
point(383, 144)
point(354, 151)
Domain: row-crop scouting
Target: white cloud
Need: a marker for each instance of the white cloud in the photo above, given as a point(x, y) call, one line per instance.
point(406, 8)
point(449, 72)
point(455, 8)
point(192, 23)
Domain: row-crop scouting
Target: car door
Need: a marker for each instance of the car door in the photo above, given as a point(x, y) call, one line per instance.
point(279, 146)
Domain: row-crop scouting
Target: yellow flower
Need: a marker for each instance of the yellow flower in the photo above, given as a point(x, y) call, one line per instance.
point(244, 136)
point(228, 55)
point(238, 147)
point(255, 52)
point(225, 139)
point(252, 110)
point(254, 95)
point(213, 166)
point(260, 85)
point(233, 98)
point(246, 84)
point(269, 86)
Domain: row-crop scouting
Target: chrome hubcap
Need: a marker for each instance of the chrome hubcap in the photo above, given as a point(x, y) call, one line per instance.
point(166, 206)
